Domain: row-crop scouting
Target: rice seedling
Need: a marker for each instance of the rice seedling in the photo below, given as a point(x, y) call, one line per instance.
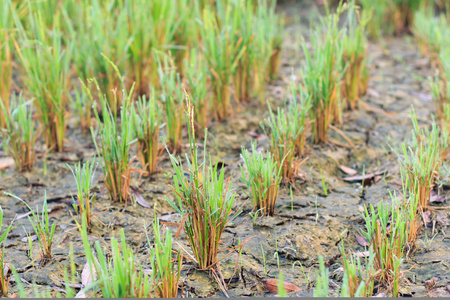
point(173, 99)
point(115, 142)
point(263, 180)
point(196, 72)
point(358, 276)
point(119, 276)
point(430, 31)
point(322, 286)
point(154, 27)
point(440, 85)
point(391, 16)
point(204, 201)
point(4, 281)
point(273, 27)
point(165, 276)
point(6, 54)
point(146, 119)
point(286, 129)
point(355, 46)
point(420, 160)
point(98, 28)
point(280, 287)
point(82, 106)
point(42, 228)
point(45, 59)
point(243, 15)
point(222, 51)
point(267, 32)
point(386, 231)
point(85, 200)
point(20, 133)
point(322, 73)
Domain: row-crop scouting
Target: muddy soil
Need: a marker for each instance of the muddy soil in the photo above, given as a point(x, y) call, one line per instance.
point(308, 223)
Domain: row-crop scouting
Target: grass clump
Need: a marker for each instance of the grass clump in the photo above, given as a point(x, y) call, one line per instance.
point(222, 51)
point(6, 54)
point(386, 231)
point(322, 73)
point(359, 275)
point(115, 142)
point(45, 59)
point(165, 277)
point(288, 136)
point(173, 99)
point(204, 201)
point(85, 200)
point(119, 276)
point(109, 22)
point(267, 28)
point(355, 46)
point(20, 132)
point(263, 180)
point(430, 31)
point(146, 119)
point(391, 16)
point(420, 160)
point(42, 228)
point(196, 76)
point(4, 281)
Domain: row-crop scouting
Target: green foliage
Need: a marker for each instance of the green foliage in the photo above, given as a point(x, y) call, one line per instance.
point(322, 73)
point(164, 275)
point(146, 119)
point(20, 132)
point(42, 227)
point(85, 201)
point(173, 97)
point(263, 179)
point(115, 142)
point(204, 201)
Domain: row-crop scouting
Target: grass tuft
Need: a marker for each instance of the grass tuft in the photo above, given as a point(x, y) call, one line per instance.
point(20, 132)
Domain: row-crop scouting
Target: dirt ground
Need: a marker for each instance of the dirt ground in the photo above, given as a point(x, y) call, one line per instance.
point(307, 224)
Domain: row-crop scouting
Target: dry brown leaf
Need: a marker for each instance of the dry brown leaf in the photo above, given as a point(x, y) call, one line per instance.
point(6, 162)
point(435, 198)
point(442, 219)
point(362, 240)
point(33, 238)
point(348, 170)
point(426, 217)
point(368, 178)
point(139, 198)
point(272, 286)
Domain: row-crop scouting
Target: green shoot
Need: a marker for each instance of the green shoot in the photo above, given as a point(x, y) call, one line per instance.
point(4, 281)
point(285, 132)
point(146, 119)
point(115, 143)
point(263, 180)
point(355, 46)
point(222, 51)
point(85, 201)
point(322, 287)
point(280, 287)
point(164, 275)
point(20, 133)
point(322, 73)
point(173, 97)
point(119, 276)
point(45, 59)
point(204, 200)
point(42, 228)
point(196, 72)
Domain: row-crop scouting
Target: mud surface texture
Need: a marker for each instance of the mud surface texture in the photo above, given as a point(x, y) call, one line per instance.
point(307, 224)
